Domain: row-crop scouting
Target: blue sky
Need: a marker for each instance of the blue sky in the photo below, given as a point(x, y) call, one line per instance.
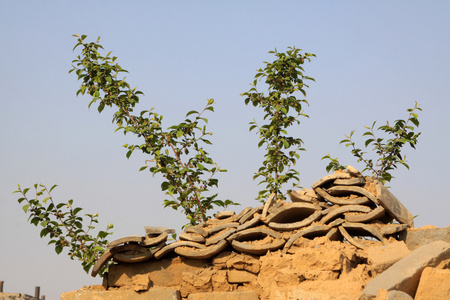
point(374, 60)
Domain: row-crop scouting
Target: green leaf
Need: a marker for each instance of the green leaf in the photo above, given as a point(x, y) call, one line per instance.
point(129, 153)
point(99, 248)
point(35, 221)
point(78, 224)
point(191, 112)
point(58, 249)
point(51, 189)
point(368, 142)
point(101, 106)
point(44, 232)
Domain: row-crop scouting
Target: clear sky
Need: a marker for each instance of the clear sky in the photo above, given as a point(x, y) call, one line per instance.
point(374, 60)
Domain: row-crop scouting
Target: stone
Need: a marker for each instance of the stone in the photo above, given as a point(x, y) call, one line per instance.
point(416, 237)
point(329, 209)
point(382, 295)
point(382, 257)
point(224, 214)
point(335, 212)
point(434, 284)
point(257, 241)
point(392, 205)
point(392, 295)
point(248, 215)
point(150, 240)
point(311, 232)
point(281, 226)
point(254, 233)
point(127, 239)
point(153, 293)
point(206, 253)
point(193, 237)
point(398, 295)
point(342, 201)
point(258, 248)
point(350, 238)
point(252, 223)
point(242, 213)
point(354, 172)
point(240, 276)
point(218, 228)
point(331, 177)
point(336, 222)
point(231, 219)
point(390, 229)
point(300, 196)
point(376, 214)
point(292, 212)
point(334, 234)
point(276, 206)
point(221, 235)
point(244, 295)
point(196, 229)
point(344, 190)
point(268, 204)
point(128, 247)
point(109, 255)
point(352, 181)
point(101, 262)
point(157, 230)
point(361, 229)
point(169, 248)
point(138, 254)
point(404, 275)
point(310, 193)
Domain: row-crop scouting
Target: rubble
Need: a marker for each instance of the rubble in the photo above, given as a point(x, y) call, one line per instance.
point(352, 213)
point(405, 274)
point(312, 213)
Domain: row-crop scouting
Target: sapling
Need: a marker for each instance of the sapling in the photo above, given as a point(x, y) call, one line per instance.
point(285, 79)
point(64, 225)
point(177, 152)
point(389, 151)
